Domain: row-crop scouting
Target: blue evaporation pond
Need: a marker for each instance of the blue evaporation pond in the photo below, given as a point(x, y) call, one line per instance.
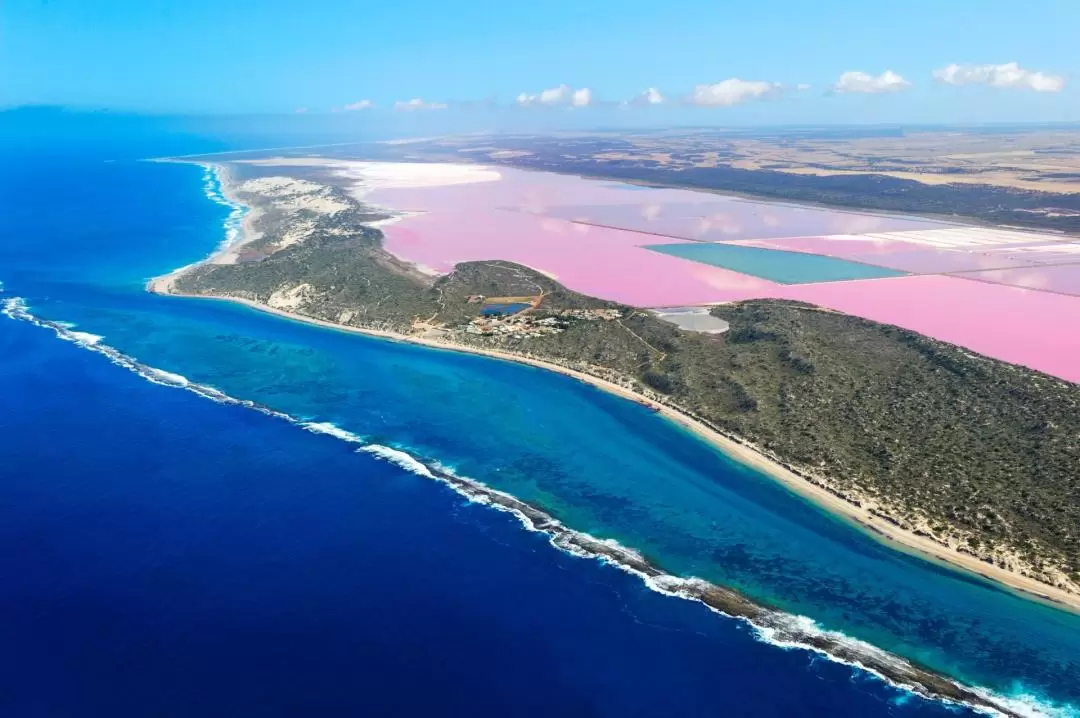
point(774, 265)
point(503, 310)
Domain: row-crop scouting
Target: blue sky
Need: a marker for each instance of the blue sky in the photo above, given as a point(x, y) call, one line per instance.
point(217, 56)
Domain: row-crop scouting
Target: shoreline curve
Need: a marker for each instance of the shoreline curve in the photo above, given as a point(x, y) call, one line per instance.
point(877, 526)
point(774, 627)
point(885, 532)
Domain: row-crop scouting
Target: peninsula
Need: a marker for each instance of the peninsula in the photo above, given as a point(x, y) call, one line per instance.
point(962, 457)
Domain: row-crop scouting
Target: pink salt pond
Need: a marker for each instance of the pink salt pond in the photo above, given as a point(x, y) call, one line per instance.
point(720, 219)
point(590, 236)
point(1022, 326)
point(597, 261)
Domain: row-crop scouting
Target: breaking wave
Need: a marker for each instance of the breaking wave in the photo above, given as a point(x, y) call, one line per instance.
point(15, 308)
point(325, 427)
point(213, 184)
point(777, 628)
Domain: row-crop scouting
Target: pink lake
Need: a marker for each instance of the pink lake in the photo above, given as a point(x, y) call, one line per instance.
point(1063, 279)
point(597, 261)
point(1022, 326)
point(552, 223)
point(720, 219)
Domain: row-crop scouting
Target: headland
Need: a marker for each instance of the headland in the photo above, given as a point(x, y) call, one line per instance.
point(306, 217)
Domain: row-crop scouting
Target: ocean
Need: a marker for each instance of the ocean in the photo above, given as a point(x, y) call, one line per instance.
point(206, 510)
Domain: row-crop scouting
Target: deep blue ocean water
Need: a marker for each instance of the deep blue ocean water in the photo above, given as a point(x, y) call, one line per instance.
point(165, 554)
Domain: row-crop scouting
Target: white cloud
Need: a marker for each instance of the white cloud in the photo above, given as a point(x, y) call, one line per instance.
point(802, 86)
point(560, 96)
point(1009, 75)
point(301, 110)
point(887, 81)
point(650, 96)
point(732, 92)
point(417, 104)
point(555, 96)
point(581, 98)
point(359, 105)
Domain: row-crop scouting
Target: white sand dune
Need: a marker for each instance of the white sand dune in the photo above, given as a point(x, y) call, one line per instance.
point(289, 193)
point(370, 176)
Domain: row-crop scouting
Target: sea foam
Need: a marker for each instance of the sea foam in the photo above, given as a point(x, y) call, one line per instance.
point(330, 429)
point(400, 458)
point(213, 187)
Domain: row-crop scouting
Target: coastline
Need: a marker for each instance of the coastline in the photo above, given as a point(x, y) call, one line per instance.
point(883, 530)
point(875, 525)
point(773, 626)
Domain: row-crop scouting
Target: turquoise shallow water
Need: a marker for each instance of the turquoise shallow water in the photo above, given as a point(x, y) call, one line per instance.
point(615, 469)
point(167, 555)
point(599, 464)
point(774, 265)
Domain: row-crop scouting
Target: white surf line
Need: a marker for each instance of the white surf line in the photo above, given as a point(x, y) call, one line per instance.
point(214, 189)
point(775, 628)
